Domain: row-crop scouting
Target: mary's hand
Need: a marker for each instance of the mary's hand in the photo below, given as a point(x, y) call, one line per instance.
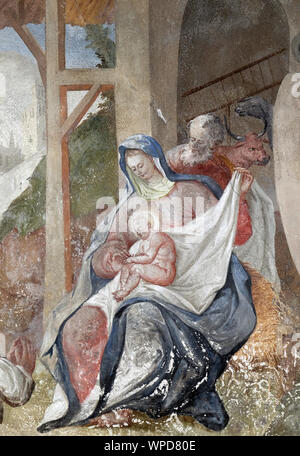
point(108, 259)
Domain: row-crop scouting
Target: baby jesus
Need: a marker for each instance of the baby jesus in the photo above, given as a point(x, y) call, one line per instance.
point(154, 261)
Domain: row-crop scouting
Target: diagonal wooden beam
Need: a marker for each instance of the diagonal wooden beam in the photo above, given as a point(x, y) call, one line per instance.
point(81, 109)
point(33, 46)
point(225, 76)
point(226, 105)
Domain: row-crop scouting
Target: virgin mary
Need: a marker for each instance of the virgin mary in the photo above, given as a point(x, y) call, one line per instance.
point(161, 349)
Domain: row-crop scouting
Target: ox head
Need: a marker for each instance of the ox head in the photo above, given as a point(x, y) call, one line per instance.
point(252, 149)
point(252, 106)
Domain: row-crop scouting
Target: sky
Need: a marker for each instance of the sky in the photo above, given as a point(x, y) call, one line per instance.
point(18, 73)
point(11, 42)
point(77, 55)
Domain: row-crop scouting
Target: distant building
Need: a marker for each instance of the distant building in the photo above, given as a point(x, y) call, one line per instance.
point(34, 123)
point(10, 156)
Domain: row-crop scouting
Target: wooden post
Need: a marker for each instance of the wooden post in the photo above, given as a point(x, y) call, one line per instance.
point(55, 248)
point(132, 88)
point(66, 192)
point(131, 80)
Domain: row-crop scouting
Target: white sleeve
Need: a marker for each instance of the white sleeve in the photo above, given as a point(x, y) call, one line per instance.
point(16, 385)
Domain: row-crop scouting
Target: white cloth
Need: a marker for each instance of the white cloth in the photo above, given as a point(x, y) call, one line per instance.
point(203, 250)
point(15, 383)
point(259, 250)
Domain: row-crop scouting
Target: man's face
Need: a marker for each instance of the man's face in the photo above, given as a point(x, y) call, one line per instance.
point(199, 147)
point(197, 151)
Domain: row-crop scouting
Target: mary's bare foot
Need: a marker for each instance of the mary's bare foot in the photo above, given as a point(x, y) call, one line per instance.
point(115, 418)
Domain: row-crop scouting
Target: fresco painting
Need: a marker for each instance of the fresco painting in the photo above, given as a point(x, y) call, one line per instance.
point(148, 217)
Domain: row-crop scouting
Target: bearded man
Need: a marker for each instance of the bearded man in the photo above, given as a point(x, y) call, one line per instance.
point(255, 236)
point(206, 132)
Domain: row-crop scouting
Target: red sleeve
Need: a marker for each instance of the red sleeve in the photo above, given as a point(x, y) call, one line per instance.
point(222, 177)
point(244, 225)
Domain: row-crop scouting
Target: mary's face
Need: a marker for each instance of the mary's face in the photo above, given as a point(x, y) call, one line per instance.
point(140, 164)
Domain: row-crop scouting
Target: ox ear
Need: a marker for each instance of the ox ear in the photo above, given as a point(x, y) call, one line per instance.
point(236, 137)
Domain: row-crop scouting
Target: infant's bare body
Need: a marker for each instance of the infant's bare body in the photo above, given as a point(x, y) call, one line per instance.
point(154, 263)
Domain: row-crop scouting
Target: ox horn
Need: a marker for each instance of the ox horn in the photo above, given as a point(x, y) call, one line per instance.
point(242, 138)
point(264, 130)
point(236, 137)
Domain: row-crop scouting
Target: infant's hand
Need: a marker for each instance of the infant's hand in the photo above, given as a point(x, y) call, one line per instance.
point(130, 260)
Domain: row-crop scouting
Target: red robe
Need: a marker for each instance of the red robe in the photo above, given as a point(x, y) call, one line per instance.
point(220, 169)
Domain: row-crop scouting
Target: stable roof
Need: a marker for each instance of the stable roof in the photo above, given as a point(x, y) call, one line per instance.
point(77, 12)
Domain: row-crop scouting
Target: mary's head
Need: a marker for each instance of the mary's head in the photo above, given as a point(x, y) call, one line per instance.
point(143, 163)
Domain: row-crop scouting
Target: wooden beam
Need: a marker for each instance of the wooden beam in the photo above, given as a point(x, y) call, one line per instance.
point(81, 109)
point(76, 87)
point(61, 34)
point(55, 276)
point(21, 11)
point(225, 76)
point(66, 194)
point(33, 46)
point(87, 76)
point(223, 106)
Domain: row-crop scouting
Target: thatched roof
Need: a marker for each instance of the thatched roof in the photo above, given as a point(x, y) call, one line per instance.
point(78, 12)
